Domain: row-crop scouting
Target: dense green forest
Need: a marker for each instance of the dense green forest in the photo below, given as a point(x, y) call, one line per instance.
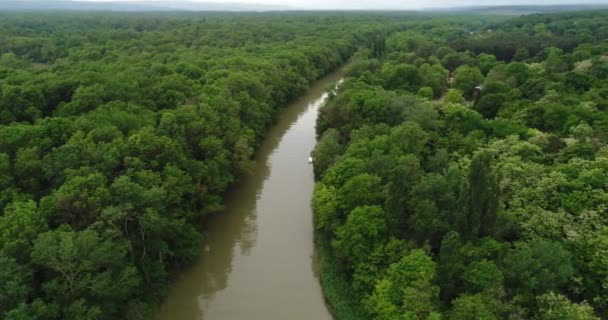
point(463, 173)
point(119, 134)
point(462, 165)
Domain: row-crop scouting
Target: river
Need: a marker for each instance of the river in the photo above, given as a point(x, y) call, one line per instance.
point(257, 261)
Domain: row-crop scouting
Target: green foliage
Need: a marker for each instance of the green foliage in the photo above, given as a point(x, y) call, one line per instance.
point(407, 291)
point(364, 228)
point(466, 78)
point(554, 306)
point(361, 190)
point(87, 273)
point(434, 77)
point(471, 307)
point(538, 267)
point(402, 77)
point(426, 92)
point(453, 96)
point(521, 54)
point(482, 275)
point(19, 227)
point(33, 311)
point(120, 133)
point(480, 199)
point(451, 265)
point(336, 287)
point(500, 180)
point(326, 205)
point(398, 189)
point(15, 284)
point(328, 148)
point(489, 104)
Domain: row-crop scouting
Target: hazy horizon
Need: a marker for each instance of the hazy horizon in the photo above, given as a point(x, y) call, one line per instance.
point(364, 4)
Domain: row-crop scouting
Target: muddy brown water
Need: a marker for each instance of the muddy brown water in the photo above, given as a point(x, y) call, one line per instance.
point(257, 261)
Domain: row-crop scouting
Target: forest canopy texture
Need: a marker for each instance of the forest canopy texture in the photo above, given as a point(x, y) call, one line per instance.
point(462, 166)
point(463, 173)
point(119, 134)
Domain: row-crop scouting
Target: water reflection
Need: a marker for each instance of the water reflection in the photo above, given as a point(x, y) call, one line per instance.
point(258, 261)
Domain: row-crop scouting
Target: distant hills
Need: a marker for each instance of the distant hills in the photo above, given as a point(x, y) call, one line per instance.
point(40, 5)
point(521, 9)
point(187, 5)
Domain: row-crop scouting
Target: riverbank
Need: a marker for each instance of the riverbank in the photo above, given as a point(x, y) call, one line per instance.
point(342, 301)
point(261, 247)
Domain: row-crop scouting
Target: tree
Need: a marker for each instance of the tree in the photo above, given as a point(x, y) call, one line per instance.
point(486, 62)
point(89, 274)
point(328, 148)
point(402, 77)
point(480, 199)
point(533, 89)
point(490, 104)
point(454, 96)
point(408, 138)
point(5, 172)
point(85, 98)
point(132, 129)
point(482, 275)
point(403, 178)
point(378, 47)
point(555, 62)
point(78, 201)
point(434, 199)
point(553, 306)
point(518, 73)
point(443, 51)
point(326, 206)
point(599, 68)
point(19, 227)
point(36, 310)
point(407, 291)
point(426, 92)
point(537, 267)
point(434, 77)
point(365, 228)
point(521, 54)
point(16, 283)
point(361, 190)
point(578, 81)
point(594, 248)
point(466, 78)
point(451, 266)
point(474, 307)
point(454, 60)
point(369, 271)
point(343, 171)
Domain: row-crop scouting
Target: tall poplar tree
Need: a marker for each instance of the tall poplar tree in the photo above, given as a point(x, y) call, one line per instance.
point(480, 199)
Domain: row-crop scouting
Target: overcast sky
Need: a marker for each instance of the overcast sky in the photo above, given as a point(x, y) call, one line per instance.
point(382, 4)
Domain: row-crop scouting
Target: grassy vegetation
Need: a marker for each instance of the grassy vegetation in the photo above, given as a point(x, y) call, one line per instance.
point(341, 298)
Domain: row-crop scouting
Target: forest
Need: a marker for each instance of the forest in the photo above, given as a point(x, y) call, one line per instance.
point(462, 166)
point(463, 173)
point(119, 134)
